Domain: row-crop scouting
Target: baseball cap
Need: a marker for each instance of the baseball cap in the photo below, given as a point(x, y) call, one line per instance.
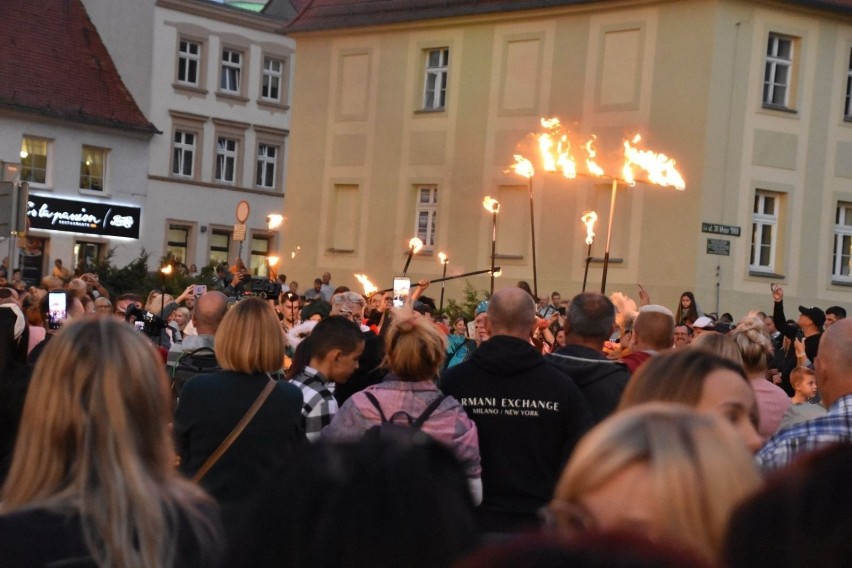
point(817, 315)
point(482, 307)
point(704, 323)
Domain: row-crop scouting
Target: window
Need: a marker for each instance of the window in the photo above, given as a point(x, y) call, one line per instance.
point(220, 246)
point(847, 110)
point(183, 154)
point(229, 81)
point(435, 84)
point(272, 71)
point(267, 157)
point(226, 160)
point(189, 60)
point(427, 212)
point(764, 232)
point(842, 261)
point(34, 160)
point(178, 242)
point(92, 167)
point(259, 251)
point(777, 81)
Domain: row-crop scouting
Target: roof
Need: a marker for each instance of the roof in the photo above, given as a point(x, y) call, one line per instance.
point(338, 14)
point(284, 10)
point(55, 64)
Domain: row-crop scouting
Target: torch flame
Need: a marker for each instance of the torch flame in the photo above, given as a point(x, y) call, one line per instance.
point(592, 153)
point(293, 253)
point(555, 149)
point(491, 205)
point(523, 166)
point(415, 245)
point(589, 218)
point(369, 287)
point(442, 258)
point(660, 168)
point(272, 260)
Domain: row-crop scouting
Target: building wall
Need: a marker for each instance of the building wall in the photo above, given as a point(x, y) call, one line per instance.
point(688, 76)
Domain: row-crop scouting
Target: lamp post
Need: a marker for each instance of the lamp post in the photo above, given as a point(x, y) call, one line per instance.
point(588, 220)
point(442, 258)
point(414, 246)
point(493, 207)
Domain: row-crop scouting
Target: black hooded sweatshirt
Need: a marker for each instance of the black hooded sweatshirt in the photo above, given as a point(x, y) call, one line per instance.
point(529, 416)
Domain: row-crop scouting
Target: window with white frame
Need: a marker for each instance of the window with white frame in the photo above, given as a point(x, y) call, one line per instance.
point(427, 214)
point(270, 89)
point(189, 62)
point(842, 261)
point(847, 110)
point(183, 153)
point(778, 75)
point(232, 64)
point(92, 168)
point(267, 158)
point(226, 160)
point(764, 231)
point(34, 159)
point(435, 82)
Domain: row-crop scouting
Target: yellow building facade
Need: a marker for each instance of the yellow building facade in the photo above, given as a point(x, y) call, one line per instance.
point(402, 124)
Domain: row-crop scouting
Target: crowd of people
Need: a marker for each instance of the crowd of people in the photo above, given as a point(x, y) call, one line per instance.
point(224, 428)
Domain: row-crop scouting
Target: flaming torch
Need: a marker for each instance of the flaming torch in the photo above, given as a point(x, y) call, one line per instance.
point(273, 262)
point(442, 258)
point(589, 218)
point(369, 287)
point(493, 207)
point(525, 168)
point(414, 246)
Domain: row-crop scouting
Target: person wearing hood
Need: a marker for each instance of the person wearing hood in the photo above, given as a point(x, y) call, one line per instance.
point(529, 415)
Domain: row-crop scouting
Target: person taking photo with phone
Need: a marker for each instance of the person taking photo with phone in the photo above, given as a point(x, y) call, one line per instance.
point(810, 322)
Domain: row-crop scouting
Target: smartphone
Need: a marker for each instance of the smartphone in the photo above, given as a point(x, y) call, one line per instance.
point(401, 289)
point(139, 324)
point(200, 289)
point(57, 309)
point(773, 287)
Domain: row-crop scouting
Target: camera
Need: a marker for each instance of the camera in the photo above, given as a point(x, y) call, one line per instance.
point(265, 288)
point(147, 322)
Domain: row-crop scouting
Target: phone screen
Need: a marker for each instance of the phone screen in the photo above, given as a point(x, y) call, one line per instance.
point(57, 310)
point(401, 288)
point(200, 289)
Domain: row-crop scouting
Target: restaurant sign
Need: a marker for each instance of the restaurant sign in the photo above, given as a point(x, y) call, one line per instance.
point(52, 214)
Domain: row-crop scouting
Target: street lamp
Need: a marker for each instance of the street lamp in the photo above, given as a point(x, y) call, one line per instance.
point(442, 258)
point(414, 246)
point(493, 207)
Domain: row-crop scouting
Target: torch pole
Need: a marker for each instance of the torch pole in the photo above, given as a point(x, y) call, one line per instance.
point(493, 247)
point(586, 273)
point(443, 281)
point(532, 232)
point(408, 260)
point(609, 234)
point(448, 278)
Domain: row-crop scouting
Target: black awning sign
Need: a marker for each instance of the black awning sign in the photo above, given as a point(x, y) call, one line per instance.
point(53, 214)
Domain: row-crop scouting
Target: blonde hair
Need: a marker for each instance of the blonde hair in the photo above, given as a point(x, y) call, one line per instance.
point(156, 302)
point(249, 339)
point(753, 341)
point(798, 375)
point(696, 491)
point(94, 438)
point(414, 348)
point(718, 344)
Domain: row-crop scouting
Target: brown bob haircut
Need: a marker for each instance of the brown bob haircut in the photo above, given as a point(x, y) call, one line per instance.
point(249, 339)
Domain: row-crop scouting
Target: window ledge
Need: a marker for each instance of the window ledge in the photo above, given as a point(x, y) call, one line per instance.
point(431, 110)
point(231, 97)
point(772, 275)
point(272, 105)
point(189, 89)
point(499, 256)
point(600, 260)
point(94, 192)
point(769, 106)
point(342, 251)
point(844, 283)
point(847, 119)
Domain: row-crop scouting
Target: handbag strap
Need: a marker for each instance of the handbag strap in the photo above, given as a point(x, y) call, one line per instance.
point(238, 429)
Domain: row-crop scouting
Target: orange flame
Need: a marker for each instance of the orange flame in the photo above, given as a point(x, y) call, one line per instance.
point(416, 245)
point(592, 153)
point(555, 149)
point(589, 218)
point(369, 287)
point(294, 252)
point(491, 205)
point(660, 169)
point(442, 258)
point(523, 167)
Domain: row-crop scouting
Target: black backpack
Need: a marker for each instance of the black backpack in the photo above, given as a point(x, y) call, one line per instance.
point(191, 363)
point(390, 428)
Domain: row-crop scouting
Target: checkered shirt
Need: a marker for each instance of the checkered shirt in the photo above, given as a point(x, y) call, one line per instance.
point(320, 405)
point(788, 444)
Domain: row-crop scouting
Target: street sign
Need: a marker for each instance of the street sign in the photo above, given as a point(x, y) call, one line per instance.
point(239, 232)
point(721, 247)
point(719, 229)
point(242, 212)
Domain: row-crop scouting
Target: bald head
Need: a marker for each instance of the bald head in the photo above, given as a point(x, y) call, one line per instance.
point(834, 363)
point(511, 311)
point(208, 312)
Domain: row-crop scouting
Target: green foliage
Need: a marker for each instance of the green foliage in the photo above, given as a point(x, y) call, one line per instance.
point(137, 279)
point(467, 307)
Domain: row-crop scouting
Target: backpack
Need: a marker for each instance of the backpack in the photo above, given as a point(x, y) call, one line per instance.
point(191, 363)
point(390, 428)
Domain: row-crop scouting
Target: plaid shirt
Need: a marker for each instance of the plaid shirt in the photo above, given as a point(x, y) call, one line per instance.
point(320, 405)
point(790, 443)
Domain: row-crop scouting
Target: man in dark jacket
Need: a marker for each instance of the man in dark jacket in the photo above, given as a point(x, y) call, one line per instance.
point(529, 415)
point(589, 322)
